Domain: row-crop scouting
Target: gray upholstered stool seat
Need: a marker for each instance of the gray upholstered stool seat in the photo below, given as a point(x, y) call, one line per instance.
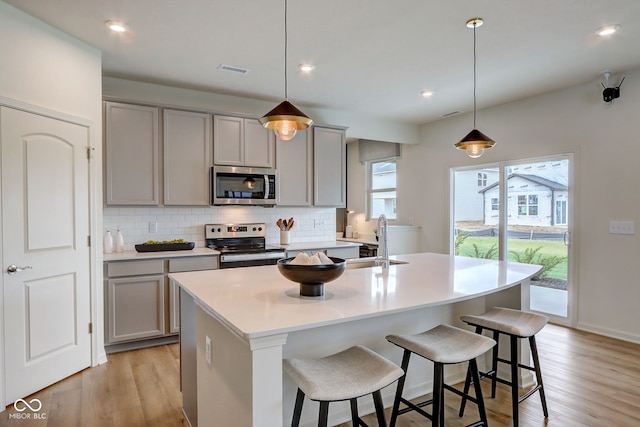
point(442, 345)
point(347, 375)
point(516, 324)
point(509, 321)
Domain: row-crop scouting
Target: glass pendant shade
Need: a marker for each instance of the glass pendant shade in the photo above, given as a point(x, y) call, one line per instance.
point(285, 120)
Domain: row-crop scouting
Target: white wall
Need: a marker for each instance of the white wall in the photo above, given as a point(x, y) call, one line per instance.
point(604, 140)
point(45, 70)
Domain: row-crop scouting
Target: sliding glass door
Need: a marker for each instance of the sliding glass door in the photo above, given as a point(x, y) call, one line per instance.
point(519, 211)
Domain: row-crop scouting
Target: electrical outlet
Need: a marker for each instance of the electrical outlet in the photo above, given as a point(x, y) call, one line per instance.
point(621, 227)
point(318, 223)
point(207, 349)
point(153, 227)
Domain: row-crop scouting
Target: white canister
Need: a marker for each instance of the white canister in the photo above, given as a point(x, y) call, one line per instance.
point(107, 243)
point(284, 237)
point(348, 231)
point(355, 234)
point(119, 242)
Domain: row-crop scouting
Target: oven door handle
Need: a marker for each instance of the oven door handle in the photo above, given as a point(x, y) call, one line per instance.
point(251, 257)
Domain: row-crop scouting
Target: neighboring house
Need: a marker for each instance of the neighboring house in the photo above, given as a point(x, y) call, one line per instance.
point(532, 200)
point(468, 203)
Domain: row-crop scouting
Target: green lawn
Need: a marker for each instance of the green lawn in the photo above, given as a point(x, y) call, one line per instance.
point(549, 248)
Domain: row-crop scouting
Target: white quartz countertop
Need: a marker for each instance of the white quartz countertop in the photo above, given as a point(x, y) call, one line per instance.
point(258, 301)
point(360, 240)
point(328, 244)
point(131, 255)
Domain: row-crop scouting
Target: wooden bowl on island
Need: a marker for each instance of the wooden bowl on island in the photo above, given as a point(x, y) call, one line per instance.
point(312, 277)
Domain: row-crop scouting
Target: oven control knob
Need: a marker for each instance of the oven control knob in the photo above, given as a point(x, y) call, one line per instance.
point(259, 228)
point(254, 229)
point(219, 230)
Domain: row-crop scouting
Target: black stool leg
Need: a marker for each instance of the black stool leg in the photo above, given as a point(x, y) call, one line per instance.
point(473, 368)
point(467, 381)
point(354, 413)
point(494, 364)
point(536, 365)
point(438, 395)
point(377, 401)
point(297, 409)
point(514, 379)
point(323, 419)
point(396, 402)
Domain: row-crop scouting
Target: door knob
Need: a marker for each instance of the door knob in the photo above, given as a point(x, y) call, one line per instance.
point(13, 269)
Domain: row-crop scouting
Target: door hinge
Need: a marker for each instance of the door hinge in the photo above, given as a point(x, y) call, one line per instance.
point(90, 328)
point(89, 241)
point(90, 151)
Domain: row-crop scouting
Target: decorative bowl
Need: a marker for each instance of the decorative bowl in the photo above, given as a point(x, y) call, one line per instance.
point(312, 277)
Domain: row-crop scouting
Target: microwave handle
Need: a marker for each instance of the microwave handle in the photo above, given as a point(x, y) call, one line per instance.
point(266, 186)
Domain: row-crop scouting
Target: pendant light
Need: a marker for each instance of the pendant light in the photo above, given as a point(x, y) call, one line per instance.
point(285, 119)
point(475, 142)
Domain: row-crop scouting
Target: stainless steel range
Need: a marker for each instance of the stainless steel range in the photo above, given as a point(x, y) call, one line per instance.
point(242, 245)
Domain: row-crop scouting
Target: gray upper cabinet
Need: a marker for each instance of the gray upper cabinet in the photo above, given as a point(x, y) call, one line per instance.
point(295, 166)
point(329, 167)
point(241, 141)
point(187, 158)
point(132, 154)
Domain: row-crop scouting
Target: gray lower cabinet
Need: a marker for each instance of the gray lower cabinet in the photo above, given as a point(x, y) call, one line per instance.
point(142, 306)
point(136, 308)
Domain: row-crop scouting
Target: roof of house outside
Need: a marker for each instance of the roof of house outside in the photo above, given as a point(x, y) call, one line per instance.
point(553, 185)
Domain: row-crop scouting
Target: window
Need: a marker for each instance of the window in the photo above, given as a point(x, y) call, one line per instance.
point(381, 188)
point(495, 204)
point(482, 179)
point(528, 205)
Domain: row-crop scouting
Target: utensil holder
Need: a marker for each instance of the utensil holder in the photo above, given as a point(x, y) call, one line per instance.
point(284, 237)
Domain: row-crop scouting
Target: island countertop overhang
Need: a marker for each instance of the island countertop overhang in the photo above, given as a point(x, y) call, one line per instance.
point(257, 302)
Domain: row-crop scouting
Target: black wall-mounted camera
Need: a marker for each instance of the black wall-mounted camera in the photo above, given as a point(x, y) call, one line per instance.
point(611, 93)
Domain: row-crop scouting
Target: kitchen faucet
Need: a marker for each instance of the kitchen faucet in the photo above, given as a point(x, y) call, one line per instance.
point(383, 249)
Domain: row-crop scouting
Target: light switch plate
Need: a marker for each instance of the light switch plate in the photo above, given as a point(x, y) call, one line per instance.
point(622, 227)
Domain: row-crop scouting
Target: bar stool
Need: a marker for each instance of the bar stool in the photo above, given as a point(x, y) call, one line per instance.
point(516, 324)
point(443, 345)
point(347, 375)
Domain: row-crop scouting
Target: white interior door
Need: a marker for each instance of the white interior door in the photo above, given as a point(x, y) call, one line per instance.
point(45, 229)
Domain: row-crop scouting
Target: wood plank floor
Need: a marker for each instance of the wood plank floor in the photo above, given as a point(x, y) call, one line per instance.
point(590, 380)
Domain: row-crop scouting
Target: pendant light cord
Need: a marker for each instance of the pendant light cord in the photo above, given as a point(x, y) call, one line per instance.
point(474, 74)
point(285, 50)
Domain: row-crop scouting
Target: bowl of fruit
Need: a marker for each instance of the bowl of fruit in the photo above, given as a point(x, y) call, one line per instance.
point(165, 245)
point(311, 272)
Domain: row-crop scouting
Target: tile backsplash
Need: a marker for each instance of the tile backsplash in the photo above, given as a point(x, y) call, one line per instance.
point(311, 224)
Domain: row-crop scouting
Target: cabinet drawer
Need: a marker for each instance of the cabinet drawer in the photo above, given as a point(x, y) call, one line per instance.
point(135, 268)
point(177, 265)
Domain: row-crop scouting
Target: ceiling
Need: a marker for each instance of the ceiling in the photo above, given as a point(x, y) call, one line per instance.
point(371, 56)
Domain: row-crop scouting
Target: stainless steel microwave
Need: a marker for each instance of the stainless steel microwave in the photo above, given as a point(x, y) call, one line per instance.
point(232, 185)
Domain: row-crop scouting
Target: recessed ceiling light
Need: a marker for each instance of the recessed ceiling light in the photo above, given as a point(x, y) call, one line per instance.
point(306, 68)
point(118, 27)
point(426, 93)
point(607, 30)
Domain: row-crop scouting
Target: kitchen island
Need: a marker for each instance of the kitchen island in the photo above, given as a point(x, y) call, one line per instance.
point(238, 325)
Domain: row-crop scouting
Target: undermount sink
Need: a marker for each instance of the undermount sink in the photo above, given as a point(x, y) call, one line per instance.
point(369, 262)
